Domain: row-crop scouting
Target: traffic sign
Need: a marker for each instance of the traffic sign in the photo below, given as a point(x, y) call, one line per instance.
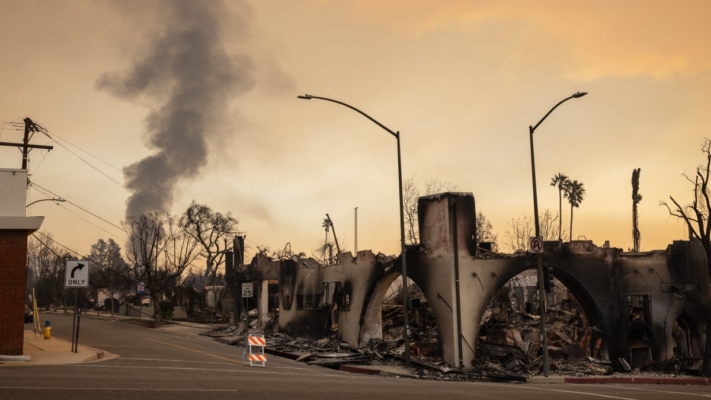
point(247, 290)
point(77, 274)
point(536, 245)
point(140, 288)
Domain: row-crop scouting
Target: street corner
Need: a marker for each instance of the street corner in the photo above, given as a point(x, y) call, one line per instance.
point(54, 351)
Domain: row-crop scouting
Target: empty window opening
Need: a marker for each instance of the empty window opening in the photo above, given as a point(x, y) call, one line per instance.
point(639, 318)
point(299, 301)
point(309, 302)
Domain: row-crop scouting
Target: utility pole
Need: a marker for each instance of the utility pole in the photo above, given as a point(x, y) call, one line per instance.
point(25, 146)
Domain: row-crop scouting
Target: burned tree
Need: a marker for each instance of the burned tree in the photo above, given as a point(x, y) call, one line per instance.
point(636, 198)
point(696, 217)
point(485, 231)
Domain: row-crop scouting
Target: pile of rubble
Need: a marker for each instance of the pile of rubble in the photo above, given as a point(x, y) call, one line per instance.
point(510, 342)
point(508, 348)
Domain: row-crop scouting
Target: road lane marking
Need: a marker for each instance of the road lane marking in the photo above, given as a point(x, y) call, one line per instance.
point(245, 370)
point(195, 351)
point(115, 389)
point(527, 387)
point(203, 362)
point(661, 391)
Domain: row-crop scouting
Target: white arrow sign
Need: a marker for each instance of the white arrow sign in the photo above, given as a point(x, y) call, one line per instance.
point(77, 274)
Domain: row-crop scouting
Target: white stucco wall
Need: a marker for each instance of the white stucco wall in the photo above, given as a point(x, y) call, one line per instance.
point(13, 192)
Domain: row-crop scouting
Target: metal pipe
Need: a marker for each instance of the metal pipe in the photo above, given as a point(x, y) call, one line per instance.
point(455, 243)
point(356, 232)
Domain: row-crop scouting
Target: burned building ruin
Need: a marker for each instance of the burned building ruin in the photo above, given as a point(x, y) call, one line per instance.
point(643, 307)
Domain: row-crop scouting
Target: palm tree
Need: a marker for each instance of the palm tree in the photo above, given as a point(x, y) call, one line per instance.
point(636, 198)
point(560, 181)
point(575, 193)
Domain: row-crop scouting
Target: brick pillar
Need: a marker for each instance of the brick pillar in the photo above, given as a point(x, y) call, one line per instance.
point(13, 277)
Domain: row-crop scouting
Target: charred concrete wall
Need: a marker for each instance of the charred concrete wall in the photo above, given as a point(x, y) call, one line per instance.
point(312, 296)
point(612, 287)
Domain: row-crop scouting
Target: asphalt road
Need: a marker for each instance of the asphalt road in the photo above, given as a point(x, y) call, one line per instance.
point(156, 364)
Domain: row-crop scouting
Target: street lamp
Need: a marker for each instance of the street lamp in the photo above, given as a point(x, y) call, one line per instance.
point(539, 256)
point(59, 200)
point(402, 218)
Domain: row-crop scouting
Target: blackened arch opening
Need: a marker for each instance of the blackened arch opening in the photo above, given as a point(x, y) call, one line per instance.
point(593, 322)
point(385, 299)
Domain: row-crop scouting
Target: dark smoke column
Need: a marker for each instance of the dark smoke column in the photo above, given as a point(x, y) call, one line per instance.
point(190, 73)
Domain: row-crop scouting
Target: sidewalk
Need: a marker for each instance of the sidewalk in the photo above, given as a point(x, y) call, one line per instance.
point(38, 351)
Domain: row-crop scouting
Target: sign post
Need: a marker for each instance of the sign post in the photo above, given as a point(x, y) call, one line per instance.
point(247, 293)
point(76, 276)
point(139, 291)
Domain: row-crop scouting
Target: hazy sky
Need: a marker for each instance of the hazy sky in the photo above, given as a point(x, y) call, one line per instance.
point(209, 90)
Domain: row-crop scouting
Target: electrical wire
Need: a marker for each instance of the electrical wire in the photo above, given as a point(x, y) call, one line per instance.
point(61, 245)
point(47, 133)
point(89, 222)
point(113, 180)
point(77, 206)
point(49, 193)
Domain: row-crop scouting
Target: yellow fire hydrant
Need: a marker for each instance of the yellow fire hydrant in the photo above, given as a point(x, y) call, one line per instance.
point(47, 330)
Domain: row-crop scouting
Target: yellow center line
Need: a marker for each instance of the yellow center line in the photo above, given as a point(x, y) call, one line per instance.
point(194, 351)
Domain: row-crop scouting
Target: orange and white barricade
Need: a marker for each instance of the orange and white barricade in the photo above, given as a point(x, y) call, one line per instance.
point(254, 350)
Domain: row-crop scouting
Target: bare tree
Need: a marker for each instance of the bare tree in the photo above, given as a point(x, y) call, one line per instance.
point(51, 264)
point(211, 230)
point(696, 216)
point(410, 193)
point(523, 228)
point(636, 198)
point(147, 241)
point(485, 231)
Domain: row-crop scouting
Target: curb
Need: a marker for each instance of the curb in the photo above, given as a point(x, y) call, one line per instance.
point(16, 358)
point(359, 370)
point(640, 381)
point(97, 355)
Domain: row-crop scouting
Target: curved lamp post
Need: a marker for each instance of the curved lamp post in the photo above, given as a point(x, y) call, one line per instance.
point(539, 256)
point(37, 201)
point(402, 220)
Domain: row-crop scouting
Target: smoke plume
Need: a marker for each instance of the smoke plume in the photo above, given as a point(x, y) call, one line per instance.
point(189, 72)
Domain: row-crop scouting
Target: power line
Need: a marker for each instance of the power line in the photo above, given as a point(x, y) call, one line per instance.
point(45, 245)
point(47, 133)
point(48, 237)
point(78, 206)
point(111, 179)
point(130, 236)
point(88, 222)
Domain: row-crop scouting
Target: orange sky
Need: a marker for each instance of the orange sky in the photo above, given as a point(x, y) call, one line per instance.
point(461, 81)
